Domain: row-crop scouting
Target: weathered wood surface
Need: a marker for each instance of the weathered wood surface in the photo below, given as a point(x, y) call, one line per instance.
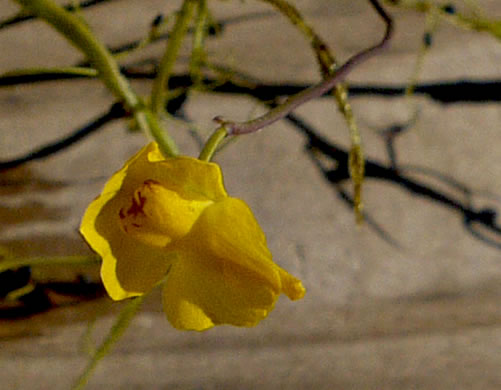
point(423, 313)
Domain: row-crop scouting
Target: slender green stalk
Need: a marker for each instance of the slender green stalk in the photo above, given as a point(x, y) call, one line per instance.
point(87, 343)
point(166, 65)
point(14, 295)
point(328, 64)
point(117, 330)
point(431, 25)
point(197, 54)
point(79, 34)
point(146, 119)
point(212, 143)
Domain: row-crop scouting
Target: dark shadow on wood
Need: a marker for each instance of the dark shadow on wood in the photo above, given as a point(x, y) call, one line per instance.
point(479, 222)
point(115, 112)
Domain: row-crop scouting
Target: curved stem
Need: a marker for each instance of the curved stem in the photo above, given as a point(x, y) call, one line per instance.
point(147, 120)
point(212, 143)
point(118, 329)
point(77, 32)
point(328, 64)
point(24, 16)
point(282, 110)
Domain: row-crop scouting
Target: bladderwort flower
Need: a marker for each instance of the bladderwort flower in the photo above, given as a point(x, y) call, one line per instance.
point(172, 216)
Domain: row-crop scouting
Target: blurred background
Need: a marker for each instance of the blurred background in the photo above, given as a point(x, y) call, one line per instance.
point(409, 300)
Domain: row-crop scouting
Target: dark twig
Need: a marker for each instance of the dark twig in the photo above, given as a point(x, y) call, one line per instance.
point(281, 111)
point(115, 112)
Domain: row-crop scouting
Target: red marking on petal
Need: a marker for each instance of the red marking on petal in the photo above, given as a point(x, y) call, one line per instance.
point(137, 206)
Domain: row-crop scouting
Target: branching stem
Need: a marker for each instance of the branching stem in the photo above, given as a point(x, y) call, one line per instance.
point(282, 110)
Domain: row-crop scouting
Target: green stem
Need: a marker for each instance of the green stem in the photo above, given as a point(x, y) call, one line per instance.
point(431, 24)
point(160, 83)
point(79, 34)
point(328, 65)
point(212, 143)
point(146, 119)
point(118, 329)
point(199, 35)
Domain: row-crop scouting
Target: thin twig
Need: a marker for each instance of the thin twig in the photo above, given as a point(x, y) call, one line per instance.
point(282, 110)
point(328, 65)
point(116, 332)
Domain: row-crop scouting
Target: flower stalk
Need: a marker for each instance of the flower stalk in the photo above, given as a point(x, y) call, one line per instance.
point(116, 332)
point(213, 143)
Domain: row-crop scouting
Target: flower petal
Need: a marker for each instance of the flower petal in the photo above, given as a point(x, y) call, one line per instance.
point(158, 216)
point(190, 177)
point(225, 273)
point(140, 266)
point(201, 293)
point(227, 230)
point(129, 267)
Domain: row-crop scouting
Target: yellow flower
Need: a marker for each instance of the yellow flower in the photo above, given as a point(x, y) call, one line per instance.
point(173, 217)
